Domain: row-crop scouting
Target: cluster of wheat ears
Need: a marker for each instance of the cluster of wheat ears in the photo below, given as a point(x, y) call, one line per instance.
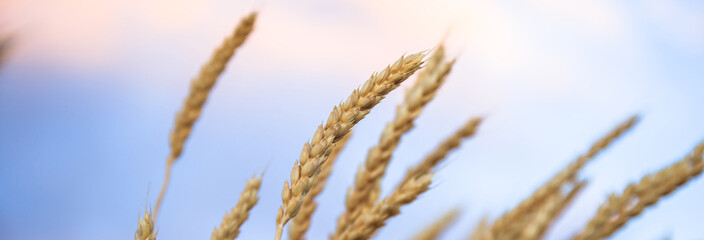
point(365, 210)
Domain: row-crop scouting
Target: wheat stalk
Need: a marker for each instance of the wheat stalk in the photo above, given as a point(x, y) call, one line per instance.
point(231, 222)
point(145, 229)
point(548, 213)
point(200, 89)
point(301, 222)
point(440, 225)
point(368, 179)
point(372, 220)
point(616, 212)
point(339, 123)
point(524, 208)
point(441, 151)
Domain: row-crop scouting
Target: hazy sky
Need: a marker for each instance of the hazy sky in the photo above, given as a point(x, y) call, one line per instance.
point(88, 97)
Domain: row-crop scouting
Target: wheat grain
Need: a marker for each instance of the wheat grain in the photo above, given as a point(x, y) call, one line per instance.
point(526, 206)
point(372, 220)
point(301, 222)
point(200, 89)
point(339, 123)
point(145, 230)
point(616, 212)
point(230, 226)
point(440, 225)
point(441, 151)
point(368, 179)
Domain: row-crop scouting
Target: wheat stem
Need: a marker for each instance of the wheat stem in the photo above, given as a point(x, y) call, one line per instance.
point(200, 89)
point(339, 123)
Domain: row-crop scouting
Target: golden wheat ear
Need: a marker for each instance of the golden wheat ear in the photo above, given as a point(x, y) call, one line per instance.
point(145, 229)
point(365, 226)
point(231, 222)
point(367, 185)
point(200, 89)
point(618, 209)
point(340, 121)
point(482, 231)
point(508, 225)
point(301, 223)
point(437, 228)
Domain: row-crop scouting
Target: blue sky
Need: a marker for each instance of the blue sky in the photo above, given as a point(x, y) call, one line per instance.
point(88, 97)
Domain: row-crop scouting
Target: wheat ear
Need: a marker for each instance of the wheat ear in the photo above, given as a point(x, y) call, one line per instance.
point(339, 123)
point(368, 178)
point(200, 89)
point(230, 226)
point(548, 213)
point(301, 223)
point(373, 219)
point(440, 225)
point(441, 151)
point(145, 230)
point(616, 212)
point(5, 44)
point(527, 205)
point(482, 231)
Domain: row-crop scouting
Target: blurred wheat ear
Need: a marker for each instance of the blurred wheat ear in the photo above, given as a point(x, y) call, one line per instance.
point(446, 146)
point(5, 45)
point(510, 225)
point(481, 231)
point(540, 220)
point(618, 209)
point(437, 228)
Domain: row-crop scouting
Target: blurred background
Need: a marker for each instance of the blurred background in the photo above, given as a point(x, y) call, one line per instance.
point(89, 89)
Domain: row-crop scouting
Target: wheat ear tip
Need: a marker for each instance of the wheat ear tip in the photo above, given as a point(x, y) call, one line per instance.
point(145, 228)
